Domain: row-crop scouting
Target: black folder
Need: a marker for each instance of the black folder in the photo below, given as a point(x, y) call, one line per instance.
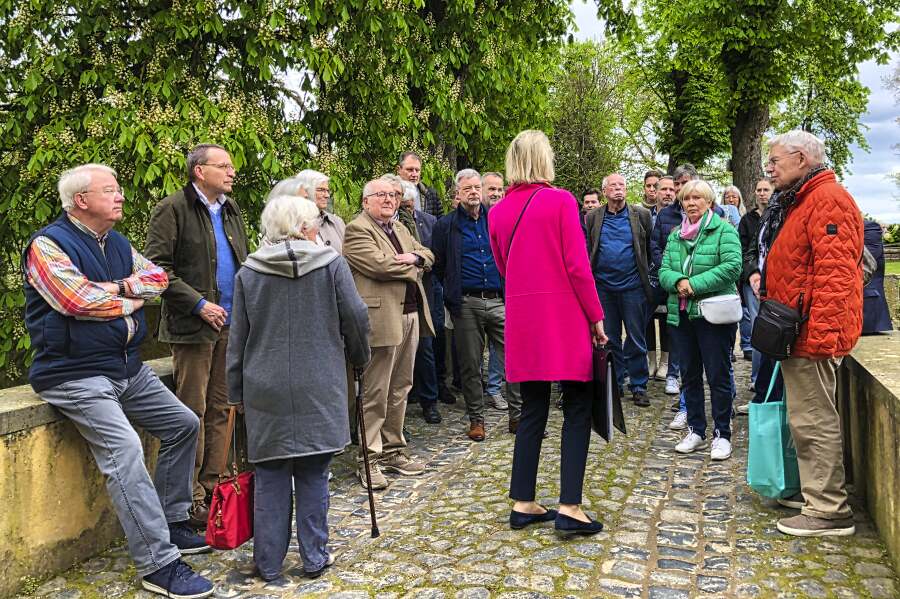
point(606, 408)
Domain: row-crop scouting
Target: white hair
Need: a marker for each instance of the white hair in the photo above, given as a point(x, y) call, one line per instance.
point(309, 179)
point(284, 217)
point(606, 180)
point(467, 173)
point(393, 179)
point(411, 192)
point(287, 187)
point(76, 180)
point(802, 141)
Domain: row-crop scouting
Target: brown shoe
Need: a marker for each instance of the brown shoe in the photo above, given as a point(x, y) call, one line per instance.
point(809, 526)
point(476, 430)
point(513, 425)
point(198, 515)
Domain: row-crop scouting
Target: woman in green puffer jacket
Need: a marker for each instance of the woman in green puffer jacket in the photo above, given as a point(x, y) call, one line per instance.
point(702, 259)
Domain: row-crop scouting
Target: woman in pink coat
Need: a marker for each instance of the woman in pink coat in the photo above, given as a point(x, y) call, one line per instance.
point(552, 316)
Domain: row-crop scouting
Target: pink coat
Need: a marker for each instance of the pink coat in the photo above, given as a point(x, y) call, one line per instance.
point(550, 294)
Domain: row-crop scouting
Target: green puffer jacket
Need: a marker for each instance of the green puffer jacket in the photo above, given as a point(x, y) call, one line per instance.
point(715, 270)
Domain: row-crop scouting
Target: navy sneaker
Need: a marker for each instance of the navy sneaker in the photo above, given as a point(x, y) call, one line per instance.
point(187, 541)
point(178, 581)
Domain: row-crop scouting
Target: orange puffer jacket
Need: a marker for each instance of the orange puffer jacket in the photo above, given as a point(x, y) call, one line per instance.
point(817, 253)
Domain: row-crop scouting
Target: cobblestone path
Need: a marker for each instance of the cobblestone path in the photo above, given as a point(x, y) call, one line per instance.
point(675, 527)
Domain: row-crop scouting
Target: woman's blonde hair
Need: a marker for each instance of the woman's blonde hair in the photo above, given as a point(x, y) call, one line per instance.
point(701, 187)
point(529, 158)
point(285, 217)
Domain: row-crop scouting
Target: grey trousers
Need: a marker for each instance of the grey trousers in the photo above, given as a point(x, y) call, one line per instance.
point(103, 411)
point(272, 501)
point(479, 317)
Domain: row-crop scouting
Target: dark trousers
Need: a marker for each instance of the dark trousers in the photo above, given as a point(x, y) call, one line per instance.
point(764, 378)
point(439, 343)
point(628, 308)
point(425, 380)
point(576, 437)
point(272, 512)
point(706, 347)
point(650, 335)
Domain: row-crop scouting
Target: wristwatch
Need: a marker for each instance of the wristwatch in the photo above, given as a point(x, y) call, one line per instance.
point(121, 285)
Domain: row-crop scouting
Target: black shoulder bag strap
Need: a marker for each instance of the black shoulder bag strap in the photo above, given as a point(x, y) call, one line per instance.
point(518, 220)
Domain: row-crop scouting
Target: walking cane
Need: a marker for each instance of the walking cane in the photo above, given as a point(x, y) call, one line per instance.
point(361, 427)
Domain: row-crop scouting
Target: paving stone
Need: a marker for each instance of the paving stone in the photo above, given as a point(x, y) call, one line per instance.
point(473, 593)
point(712, 584)
point(666, 593)
point(873, 570)
point(880, 588)
point(811, 589)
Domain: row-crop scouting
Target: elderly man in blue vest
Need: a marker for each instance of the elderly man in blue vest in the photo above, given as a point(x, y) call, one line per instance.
point(85, 287)
point(619, 244)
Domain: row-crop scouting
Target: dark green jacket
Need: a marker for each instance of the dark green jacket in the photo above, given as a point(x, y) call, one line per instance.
point(181, 240)
point(715, 269)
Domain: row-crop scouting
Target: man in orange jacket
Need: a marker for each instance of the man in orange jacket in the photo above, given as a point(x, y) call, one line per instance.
point(810, 249)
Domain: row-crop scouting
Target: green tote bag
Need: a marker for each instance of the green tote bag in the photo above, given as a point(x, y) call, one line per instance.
point(772, 458)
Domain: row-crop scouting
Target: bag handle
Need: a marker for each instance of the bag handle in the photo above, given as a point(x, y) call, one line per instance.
point(230, 435)
point(772, 381)
point(516, 226)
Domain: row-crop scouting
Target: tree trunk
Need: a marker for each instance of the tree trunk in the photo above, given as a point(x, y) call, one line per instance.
point(750, 122)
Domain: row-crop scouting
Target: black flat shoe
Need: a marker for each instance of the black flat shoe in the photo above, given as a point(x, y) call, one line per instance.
point(519, 520)
point(430, 414)
point(570, 526)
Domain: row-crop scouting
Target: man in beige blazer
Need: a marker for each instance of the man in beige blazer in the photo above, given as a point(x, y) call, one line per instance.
point(387, 265)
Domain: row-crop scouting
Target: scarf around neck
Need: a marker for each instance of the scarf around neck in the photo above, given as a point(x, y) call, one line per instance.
point(690, 234)
point(775, 214)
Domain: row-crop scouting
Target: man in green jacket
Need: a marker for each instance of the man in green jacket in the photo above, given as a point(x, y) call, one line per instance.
point(198, 236)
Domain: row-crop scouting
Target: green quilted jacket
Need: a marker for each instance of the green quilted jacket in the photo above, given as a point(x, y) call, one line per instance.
point(715, 269)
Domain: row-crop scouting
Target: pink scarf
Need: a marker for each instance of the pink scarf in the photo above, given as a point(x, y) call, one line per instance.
point(690, 233)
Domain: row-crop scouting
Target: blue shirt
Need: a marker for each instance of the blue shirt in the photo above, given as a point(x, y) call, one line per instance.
point(226, 265)
point(615, 267)
point(479, 271)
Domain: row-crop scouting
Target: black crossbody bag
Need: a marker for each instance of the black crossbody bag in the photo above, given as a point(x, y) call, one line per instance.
point(777, 326)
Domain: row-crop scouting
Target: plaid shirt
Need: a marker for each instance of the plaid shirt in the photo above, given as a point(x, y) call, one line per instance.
point(51, 272)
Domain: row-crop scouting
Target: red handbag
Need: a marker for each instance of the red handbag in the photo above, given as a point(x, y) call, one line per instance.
point(230, 522)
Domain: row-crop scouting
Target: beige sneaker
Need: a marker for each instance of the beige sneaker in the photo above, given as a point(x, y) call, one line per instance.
point(402, 464)
point(809, 526)
point(379, 480)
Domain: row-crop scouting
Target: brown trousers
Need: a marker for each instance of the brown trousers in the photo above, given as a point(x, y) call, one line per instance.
point(386, 383)
point(201, 384)
point(816, 428)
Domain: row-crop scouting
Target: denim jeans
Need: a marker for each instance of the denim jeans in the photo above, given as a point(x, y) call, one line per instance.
point(627, 307)
point(103, 411)
point(764, 378)
point(495, 372)
point(752, 303)
point(706, 347)
point(272, 511)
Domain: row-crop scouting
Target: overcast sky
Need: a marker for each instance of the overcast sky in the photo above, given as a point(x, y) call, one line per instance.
point(868, 182)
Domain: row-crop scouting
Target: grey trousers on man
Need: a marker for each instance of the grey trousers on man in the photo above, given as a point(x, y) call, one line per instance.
point(479, 318)
point(103, 411)
point(302, 481)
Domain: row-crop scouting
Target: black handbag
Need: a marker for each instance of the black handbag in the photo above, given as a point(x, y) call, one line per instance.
point(776, 328)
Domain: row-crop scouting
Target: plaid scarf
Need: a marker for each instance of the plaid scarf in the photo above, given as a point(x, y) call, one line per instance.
point(772, 220)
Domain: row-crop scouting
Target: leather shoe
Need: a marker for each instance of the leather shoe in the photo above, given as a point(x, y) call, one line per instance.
point(476, 430)
point(198, 516)
point(640, 399)
point(519, 520)
point(570, 526)
point(430, 414)
point(513, 425)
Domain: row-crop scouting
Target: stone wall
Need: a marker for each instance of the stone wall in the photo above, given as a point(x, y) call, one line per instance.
point(869, 402)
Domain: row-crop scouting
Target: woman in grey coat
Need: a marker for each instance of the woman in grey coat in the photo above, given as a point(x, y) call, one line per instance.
point(296, 312)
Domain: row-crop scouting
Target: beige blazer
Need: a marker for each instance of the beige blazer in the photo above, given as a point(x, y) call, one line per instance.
point(382, 282)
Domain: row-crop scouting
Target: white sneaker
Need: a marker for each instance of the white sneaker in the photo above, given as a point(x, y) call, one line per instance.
point(679, 422)
point(743, 409)
point(672, 387)
point(691, 443)
point(721, 449)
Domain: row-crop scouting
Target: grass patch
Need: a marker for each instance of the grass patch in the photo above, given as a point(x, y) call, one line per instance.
point(892, 267)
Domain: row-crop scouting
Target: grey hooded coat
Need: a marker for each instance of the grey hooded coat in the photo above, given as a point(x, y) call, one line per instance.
point(296, 314)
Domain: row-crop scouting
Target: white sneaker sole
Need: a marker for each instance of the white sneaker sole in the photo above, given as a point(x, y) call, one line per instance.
point(672, 391)
point(828, 532)
point(149, 586)
point(401, 471)
point(703, 445)
point(720, 458)
point(794, 505)
point(677, 427)
point(196, 550)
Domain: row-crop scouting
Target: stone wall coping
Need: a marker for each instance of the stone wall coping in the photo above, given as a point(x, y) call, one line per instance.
point(22, 409)
point(879, 355)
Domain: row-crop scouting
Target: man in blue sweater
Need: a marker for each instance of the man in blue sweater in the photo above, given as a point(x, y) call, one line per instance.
point(198, 236)
point(619, 241)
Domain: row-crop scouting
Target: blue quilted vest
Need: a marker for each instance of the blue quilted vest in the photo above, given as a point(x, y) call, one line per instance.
point(67, 349)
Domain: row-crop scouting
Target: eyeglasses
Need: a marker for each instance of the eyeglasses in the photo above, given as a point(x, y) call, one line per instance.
point(107, 191)
point(225, 166)
point(776, 159)
point(323, 190)
point(381, 195)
